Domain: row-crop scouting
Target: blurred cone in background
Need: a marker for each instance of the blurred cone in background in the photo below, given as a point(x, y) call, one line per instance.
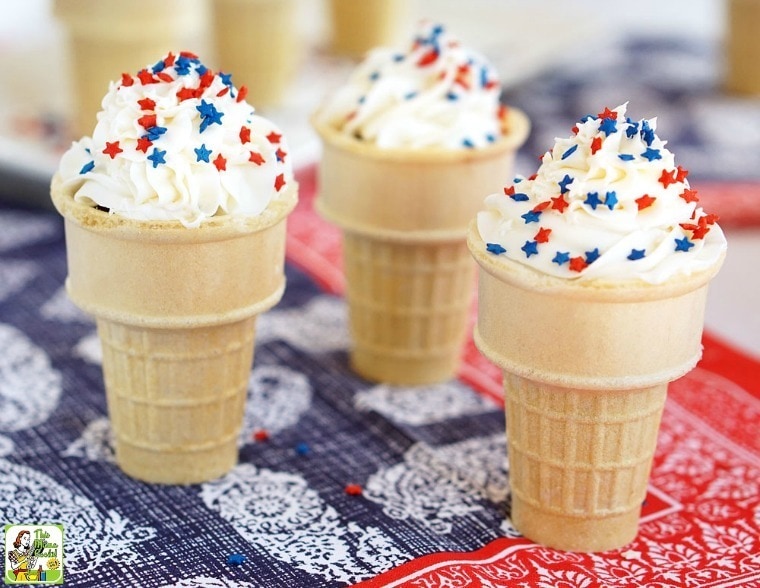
point(743, 47)
point(107, 37)
point(258, 41)
point(361, 25)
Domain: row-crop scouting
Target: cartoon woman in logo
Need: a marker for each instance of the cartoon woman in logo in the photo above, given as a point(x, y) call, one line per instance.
point(23, 558)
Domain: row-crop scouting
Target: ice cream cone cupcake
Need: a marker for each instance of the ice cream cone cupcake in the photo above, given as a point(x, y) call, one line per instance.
point(402, 185)
point(592, 287)
point(258, 40)
point(175, 233)
point(357, 27)
point(104, 36)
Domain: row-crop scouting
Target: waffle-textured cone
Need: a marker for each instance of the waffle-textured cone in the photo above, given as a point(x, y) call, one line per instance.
point(258, 41)
point(358, 27)
point(586, 367)
point(409, 276)
point(175, 309)
point(108, 37)
point(743, 47)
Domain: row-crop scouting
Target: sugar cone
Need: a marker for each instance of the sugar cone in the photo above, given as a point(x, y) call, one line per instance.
point(409, 277)
point(107, 36)
point(257, 40)
point(743, 47)
point(175, 310)
point(586, 368)
point(357, 27)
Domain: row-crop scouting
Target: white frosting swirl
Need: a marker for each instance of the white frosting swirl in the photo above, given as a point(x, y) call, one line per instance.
point(437, 94)
point(607, 203)
point(178, 142)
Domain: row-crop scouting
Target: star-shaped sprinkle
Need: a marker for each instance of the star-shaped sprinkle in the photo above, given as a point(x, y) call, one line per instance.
point(610, 200)
point(127, 80)
point(608, 126)
point(561, 258)
point(303, 448)
point(625, 157)
point(636, 254)
point(596, 144)
point(577, 264)
point(224, 91)
point(143, 144)
point(155, 132)
point(632, 129)
point(592, 199)
point(159, 66)
point(147, 121)
point(519, 197)
point(559, 203)
point(468, 144)
point(683, 244)
point(569, 151)
point(531, 216)
point(667, 177)
point(169, 59)
point(157, 157)
point(689, 195)
point(274, 137)
point(645, 201)
point(592, 256)
point(353, 489)
point(542, 236)
point(647, 133)
point(427, 58)
point(281, 155)
point(164, 77)
point(279, 182)
point(651, 154)
point(209, 115)
point(245, 135)
point(711, 218)
point(256, 158)
point(112, 149)
point(147, 104)
point(188, 93)
point(607, 114)
point(242, 93)
point(220, 163)
point(202, 154)
point(699, 230)
point(146, 77)
point(495, 248)
point(530, 248)
point(235, 559)
point(681, 174)
point(564, 183)
point(87, 167)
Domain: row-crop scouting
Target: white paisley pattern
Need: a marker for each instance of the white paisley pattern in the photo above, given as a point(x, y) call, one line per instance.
point(279, 514)
point(14, 275)
point(60, 308)
point(92, 536)
point(95, 444)
point(19, 229)
point(435, 486)
point(321, 326)
point(422, 405)
point(29, 386)
point(207, 582)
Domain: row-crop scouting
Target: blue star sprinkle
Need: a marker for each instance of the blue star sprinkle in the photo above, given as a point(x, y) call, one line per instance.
point(374, 76)
point(531, 216)
point(683, 244)
point(626, 157)
point(303, 448)
point(587, 118)
point(483, 76)
point(632, 129)
point(519, 197)
point(566, 181)
point(468, 144)
point(610, 200)
point(647, 134)
point(561, 258)
point(202, 154)
point(226, 79)
point(211, 116)
point(201, 69)
point(651, 154)
point(87, 167)
point(398, 57)
point(205, 108)
point(490, 138)
point(608, 126)
point(235, 559)
point(159, 66)
point(636, 254)
point(409, 96)
point(182, 65)
point(530, 248)
point(154, 133)
point(495, 248)
point(592, 199)
point(569, 152)
point(592, 256)
point(451, 96)
point(157, 157)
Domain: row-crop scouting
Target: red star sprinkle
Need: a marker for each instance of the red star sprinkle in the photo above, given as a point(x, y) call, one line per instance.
point(509, 191)
point(596, 144)
point(169, 60)
point(699, 230)
point(188, 54)
point(274, 137)
point(223, 91)
point(146, 77)
point(533, 177)
point(575, 129)
point(164, 77)
point(206, 79)
point(220, 163)
point(578, 264)
point(502, 112)
point(256, 158)
point(143, 144)
point(541, 206)
point(147, 121)
point(645, 201)
point(542, 236)
point(490, 84)
point(127, 80)
point(689, 195)
point(112, 149)
point(147, 104)
point(261, 435)
point(607, 113)
point(279, 182)
point(242, 93)
point(245, 135)
point(711, 218)
point(559, 203)
point(463, 76)
point(428, 58)
point(353, 489)
point(681, 174)
point(187, 93)
point(280, 155)
point(667, 177)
